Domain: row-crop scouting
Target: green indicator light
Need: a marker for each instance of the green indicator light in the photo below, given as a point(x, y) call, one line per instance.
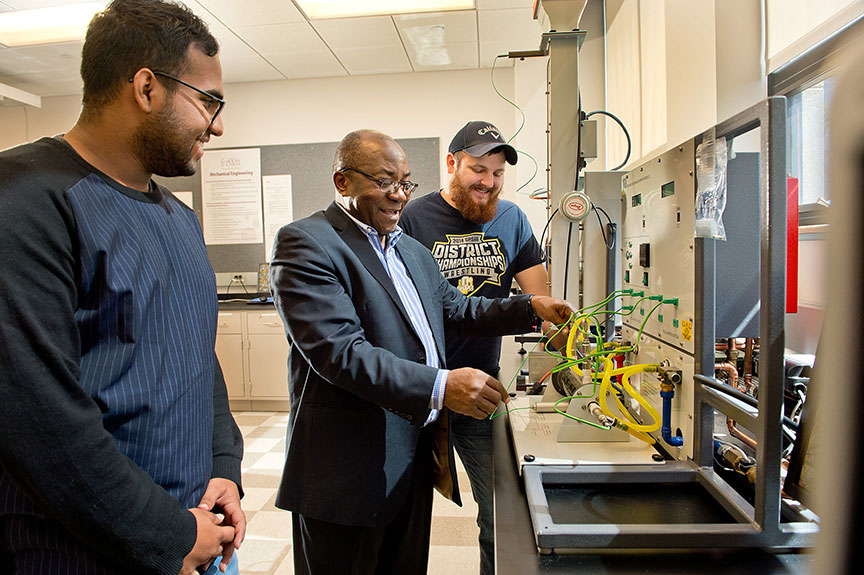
point(642, 310)
point(660, 317)
point(674, 323)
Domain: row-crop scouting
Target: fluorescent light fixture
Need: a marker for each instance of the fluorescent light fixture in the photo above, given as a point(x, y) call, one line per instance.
point(47, 25)
point(321, 9)
point(7, 91)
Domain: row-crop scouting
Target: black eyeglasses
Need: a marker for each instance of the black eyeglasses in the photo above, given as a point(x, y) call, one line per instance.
point(213, 104)
point(387, 186)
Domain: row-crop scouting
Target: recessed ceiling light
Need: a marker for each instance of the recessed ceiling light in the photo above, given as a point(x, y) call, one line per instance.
point(47, 25)
point(321, 9)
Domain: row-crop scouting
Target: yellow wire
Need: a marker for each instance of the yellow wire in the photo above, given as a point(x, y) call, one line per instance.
point(631, 422)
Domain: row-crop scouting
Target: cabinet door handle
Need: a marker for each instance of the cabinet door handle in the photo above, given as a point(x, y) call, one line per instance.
point(272, 324)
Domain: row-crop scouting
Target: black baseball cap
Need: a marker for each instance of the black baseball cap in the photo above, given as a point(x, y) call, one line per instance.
point(479, 138)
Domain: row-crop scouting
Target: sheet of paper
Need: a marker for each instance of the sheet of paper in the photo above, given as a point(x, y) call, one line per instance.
point(278, 208)
point(231, 196)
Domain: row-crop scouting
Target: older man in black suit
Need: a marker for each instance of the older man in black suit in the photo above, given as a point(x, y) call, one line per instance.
point(364, 308)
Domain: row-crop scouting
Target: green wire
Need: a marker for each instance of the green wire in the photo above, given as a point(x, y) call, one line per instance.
point(531, 179)
point(522, 125)
point(567, 363)
point(503, 97)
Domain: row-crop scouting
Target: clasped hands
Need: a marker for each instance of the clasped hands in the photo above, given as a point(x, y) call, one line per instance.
point(221, 527)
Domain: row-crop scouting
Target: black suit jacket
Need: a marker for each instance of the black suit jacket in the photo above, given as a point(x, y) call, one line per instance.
point(360, 388)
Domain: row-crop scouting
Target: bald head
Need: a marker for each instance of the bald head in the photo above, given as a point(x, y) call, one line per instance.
point(355, 149)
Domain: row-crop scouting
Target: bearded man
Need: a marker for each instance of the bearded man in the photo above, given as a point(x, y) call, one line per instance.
point(481, 243)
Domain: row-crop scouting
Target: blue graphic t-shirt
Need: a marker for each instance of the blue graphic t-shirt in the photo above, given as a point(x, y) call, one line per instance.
point(478, 259)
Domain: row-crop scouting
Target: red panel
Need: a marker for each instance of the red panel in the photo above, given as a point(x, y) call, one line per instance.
point(792, 245)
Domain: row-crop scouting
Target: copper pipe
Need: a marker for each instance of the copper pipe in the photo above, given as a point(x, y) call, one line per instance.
point(738, 434)
point(730, 370)
point(732, 376)
point(748, 361)
point(725, 346)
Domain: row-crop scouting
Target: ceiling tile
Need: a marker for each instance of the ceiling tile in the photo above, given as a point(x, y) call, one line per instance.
point(437, 28)
point(254, 69)
point(311, 65)
point(294, 49)
point(204, 14)
point(36, 4)
point(503, 31)
point(44, 85)
point(499, 4)
point(375, 60)
point(241, 63)
point(11, 62)
point(65, 57)
point(451, 56)
point(297, 38)
point(233, 13)
point(349, 33)
point(441, 40)
point(365, 45)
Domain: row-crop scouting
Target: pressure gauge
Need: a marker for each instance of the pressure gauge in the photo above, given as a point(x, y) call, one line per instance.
point(575, 206)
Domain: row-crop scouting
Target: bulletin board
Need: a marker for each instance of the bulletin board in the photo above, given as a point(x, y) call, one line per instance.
point(311, 170)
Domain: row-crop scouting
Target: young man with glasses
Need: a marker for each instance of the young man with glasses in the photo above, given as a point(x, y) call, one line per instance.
point(481, 243)
point(118, 452)
point(365, 309)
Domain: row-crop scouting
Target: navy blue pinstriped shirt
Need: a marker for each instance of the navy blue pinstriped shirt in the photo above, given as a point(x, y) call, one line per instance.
point(113, 413)
point(142, 259)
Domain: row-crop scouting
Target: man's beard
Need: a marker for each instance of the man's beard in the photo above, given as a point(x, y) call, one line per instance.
point(472, 210)
point(160, 145)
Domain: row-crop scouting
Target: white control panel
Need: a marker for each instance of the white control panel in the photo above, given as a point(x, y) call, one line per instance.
point(658, 246)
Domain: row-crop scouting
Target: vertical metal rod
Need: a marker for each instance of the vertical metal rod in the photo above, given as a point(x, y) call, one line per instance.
point(772, 181)
point(704, 312)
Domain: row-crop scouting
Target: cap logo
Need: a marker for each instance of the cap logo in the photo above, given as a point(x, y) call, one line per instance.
point(490, 129)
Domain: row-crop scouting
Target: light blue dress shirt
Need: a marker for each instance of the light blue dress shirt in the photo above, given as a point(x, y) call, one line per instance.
point(395, 267)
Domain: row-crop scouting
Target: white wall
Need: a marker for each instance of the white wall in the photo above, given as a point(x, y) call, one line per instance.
point(418, 105)
point(20, 124)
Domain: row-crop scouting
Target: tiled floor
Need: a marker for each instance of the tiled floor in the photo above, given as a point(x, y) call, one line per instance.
point(267, 548)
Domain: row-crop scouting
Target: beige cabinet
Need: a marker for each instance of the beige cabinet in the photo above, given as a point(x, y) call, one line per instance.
point(253, 351)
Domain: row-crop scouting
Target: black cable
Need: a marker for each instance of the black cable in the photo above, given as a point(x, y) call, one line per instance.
point(626, 134)
point(602, 230)
point(580, 118)
point(608, 219)
point(739, 395)
point(567, 260)
point(543, 235)
point(228, 289)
